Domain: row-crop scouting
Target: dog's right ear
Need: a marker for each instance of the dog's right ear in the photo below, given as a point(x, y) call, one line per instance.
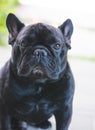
point(14, 27)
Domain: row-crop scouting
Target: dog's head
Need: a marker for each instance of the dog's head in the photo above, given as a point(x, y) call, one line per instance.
point(39, 51)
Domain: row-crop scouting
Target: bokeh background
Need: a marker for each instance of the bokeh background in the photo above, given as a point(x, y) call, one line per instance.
point(81, 56)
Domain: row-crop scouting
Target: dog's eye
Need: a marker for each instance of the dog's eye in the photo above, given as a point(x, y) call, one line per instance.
point(57, 46)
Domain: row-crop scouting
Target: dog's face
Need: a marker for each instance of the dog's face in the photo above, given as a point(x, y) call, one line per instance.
point(39, 51)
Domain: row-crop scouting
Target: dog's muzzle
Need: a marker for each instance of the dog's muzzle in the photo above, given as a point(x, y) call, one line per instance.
point(39, 53)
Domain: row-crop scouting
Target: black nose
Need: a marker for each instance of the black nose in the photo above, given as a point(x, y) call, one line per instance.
point(40, 52)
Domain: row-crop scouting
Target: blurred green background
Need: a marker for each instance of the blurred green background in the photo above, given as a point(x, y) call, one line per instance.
point(6, 6)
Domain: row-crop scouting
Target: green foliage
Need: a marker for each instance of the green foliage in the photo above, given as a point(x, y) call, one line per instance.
point(6, 6)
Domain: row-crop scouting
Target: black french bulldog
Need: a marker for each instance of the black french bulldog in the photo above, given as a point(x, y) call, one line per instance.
point(37, 81)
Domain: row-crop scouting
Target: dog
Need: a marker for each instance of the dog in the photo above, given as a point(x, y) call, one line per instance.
point(36, 82)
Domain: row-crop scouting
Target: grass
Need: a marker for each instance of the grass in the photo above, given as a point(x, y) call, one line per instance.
point(84, 58)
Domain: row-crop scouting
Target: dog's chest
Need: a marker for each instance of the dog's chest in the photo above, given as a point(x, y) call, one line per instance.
point(31, 105)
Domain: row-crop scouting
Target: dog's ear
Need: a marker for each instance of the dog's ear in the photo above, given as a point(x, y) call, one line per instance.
point(67, 30)
point(14, 27)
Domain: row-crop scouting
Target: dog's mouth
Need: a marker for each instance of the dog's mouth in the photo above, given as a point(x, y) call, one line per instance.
point(27, 71)
point(38, 72)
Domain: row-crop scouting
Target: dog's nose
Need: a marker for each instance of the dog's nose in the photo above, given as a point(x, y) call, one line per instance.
point(40, 52)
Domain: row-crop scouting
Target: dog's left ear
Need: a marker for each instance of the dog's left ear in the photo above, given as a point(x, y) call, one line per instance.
point(14, 27)
point(67, 30)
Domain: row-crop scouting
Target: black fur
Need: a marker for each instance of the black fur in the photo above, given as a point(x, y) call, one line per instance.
point(37, 81)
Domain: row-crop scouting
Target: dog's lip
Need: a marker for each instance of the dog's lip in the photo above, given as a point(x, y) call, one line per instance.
point(37, 71)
